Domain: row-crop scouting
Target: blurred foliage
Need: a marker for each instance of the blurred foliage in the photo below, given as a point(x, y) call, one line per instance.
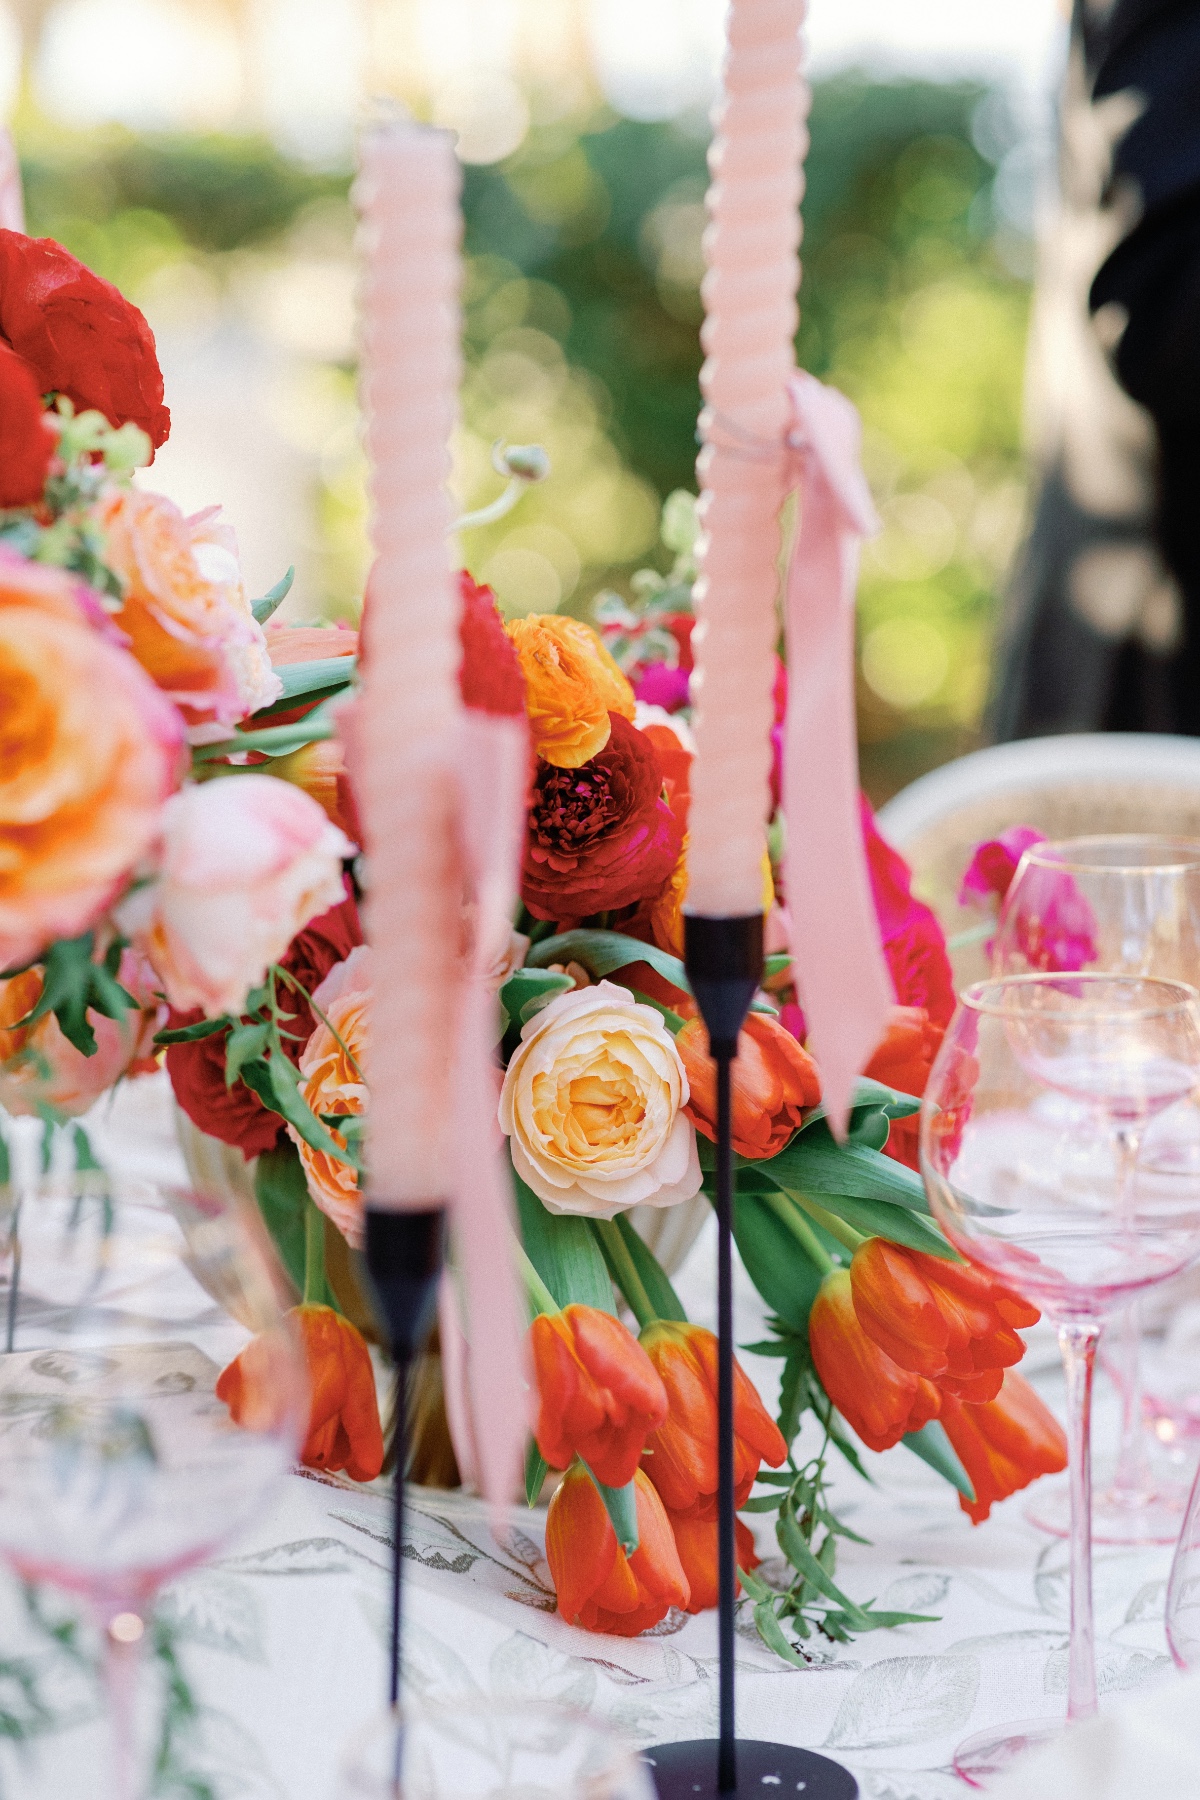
point(582, 313)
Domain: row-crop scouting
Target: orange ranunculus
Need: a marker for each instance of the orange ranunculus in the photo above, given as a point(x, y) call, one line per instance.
point(186, 611)
point(320, 769)
point(343, 1430)
point(902, 1059)
point(598, 1586)
point(696, 1542)
point(774, 1080)
point(599, 1393)
point(571, 686)
point(664, 914)
point(681, 1456)
point(880, 1400)
point(1003, 1444)
point(951, 1322)
point(332, 1081)
point(89, 751)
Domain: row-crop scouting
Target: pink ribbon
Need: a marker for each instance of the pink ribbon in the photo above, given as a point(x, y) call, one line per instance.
point(839, 965)
point(493, 764)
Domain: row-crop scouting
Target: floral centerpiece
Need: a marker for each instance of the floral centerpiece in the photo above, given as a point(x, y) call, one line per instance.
point(178, 876)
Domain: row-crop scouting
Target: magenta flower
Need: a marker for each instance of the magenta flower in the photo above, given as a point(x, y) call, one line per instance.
point(991, 869)
point(660, 685)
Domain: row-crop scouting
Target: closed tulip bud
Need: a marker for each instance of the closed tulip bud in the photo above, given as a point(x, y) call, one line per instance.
point(774, 1080)
point(949, 1321)
point(342, 1430)
point(681, 1457)
point(597, 1584)
point(1003, 1444)
point(875, 1395)
point(696, 1542)
point(598, 1393)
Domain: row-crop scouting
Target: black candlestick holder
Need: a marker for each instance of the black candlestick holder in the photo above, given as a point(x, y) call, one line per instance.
point(724, 960)
point(404, 1254)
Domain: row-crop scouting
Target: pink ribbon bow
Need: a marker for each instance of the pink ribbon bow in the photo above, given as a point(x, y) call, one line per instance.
point(840, 969)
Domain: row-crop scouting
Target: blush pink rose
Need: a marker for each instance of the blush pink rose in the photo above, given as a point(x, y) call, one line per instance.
point(245, 862)
point(38, 1066)
point(89, 750)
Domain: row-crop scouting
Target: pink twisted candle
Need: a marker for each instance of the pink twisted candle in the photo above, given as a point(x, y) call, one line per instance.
point(749, 293)
point(407, 191)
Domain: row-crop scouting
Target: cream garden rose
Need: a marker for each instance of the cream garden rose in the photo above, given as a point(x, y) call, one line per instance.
point(592, 1106)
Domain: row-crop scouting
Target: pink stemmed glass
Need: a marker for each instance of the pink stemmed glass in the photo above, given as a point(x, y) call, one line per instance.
point(119, 1466)
point(1125, 904)
point(1042, 1084)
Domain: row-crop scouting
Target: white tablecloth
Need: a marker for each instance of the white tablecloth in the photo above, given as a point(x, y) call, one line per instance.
point(284, 1638)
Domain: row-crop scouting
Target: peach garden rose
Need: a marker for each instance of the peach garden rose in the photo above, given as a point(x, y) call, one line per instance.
point(89, 750)
point(592, 1105)
point(245, 862)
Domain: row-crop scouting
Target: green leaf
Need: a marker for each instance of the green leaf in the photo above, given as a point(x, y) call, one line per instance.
point(304, 678)
point(933, 1446)
point(282, 1195)
point(621, 1506)
point(243, 1042)
point(191, 1034)
point(799, 1554)
point(536, 1471)
point(776, 964)
point(263, 608)
point(274, 1082)
point(870, 1129)
point(785, 1277)
point(671, 1020)
point(661, 1294)
point(85, 1157)
point(272, 740)
point(72, 984)
point(528, 990)
point(762, 1503)
point(564, 1252)
point(771, 1632)
point(604, 952)
point(872, 1096)
point(877, 1218)
point(815, 1163)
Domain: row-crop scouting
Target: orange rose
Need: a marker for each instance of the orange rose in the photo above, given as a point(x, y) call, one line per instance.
point(572, 684)
point(331, 1081)
point(774, 1080)
point(89, 750)
point(185, 610)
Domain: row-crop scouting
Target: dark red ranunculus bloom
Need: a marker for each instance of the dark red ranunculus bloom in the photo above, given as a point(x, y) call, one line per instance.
point(490, 677)
point(27, 442)
point(235, 1114)
point(913, 941)
point(79, 335)
point(600, 836)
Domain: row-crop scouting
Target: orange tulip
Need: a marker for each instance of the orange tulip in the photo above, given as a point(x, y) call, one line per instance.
point(343, 1429)
point(902, 1059)
point(773, 1081)
point(320, 769)
point(599, 1393)
point(696, 1542)
point(951, 1322)
point(880, 1400)
point(681, 1457)
point(598, 1586)
point(1004, 1444)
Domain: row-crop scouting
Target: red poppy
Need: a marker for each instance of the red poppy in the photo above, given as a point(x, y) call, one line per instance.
point(79, 335)
point(1004, 1444)
point(681, 1457)
point(600, 835)
point(597, 1585)
point(599, 1395)
point(879, 1399)
point(490, 677)
point(27, 442)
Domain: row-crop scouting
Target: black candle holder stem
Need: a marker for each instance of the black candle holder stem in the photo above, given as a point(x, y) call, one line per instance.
point(405, 1252)
point(724, 961)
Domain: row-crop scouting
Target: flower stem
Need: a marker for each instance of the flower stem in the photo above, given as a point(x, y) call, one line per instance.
point(314, 1256)
point(837, 1228)
point(791, 1216)
point(541, 1300)
point(624, 1271)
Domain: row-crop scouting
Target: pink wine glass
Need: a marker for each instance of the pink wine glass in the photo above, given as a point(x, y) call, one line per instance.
point(1029, 1127)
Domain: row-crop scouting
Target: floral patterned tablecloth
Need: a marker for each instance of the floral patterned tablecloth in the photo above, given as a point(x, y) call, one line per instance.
point(283, 1640)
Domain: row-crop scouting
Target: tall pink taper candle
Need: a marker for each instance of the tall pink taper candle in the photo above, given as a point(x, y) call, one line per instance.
point(12, 196)
point(749, 292)
point(408, 192)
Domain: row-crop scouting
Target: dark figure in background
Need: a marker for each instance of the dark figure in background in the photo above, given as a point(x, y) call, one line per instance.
point(1102, 628)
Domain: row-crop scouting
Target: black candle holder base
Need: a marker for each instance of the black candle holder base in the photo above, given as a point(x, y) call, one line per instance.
point(688, 1771)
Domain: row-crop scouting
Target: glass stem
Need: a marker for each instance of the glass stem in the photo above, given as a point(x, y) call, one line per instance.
point(1131, 1483)
point(1077, 1340)
point(122, 1660)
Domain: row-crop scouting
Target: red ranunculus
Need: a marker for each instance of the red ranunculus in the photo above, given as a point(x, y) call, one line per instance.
point(914, 944)
point(27, 442)
point(600, 836)
point(79, 335)
point(235, 1114)
point(490, 677)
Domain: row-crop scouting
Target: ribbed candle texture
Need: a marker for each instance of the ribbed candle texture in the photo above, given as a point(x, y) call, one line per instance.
point(408, 194)
point(749, 291)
